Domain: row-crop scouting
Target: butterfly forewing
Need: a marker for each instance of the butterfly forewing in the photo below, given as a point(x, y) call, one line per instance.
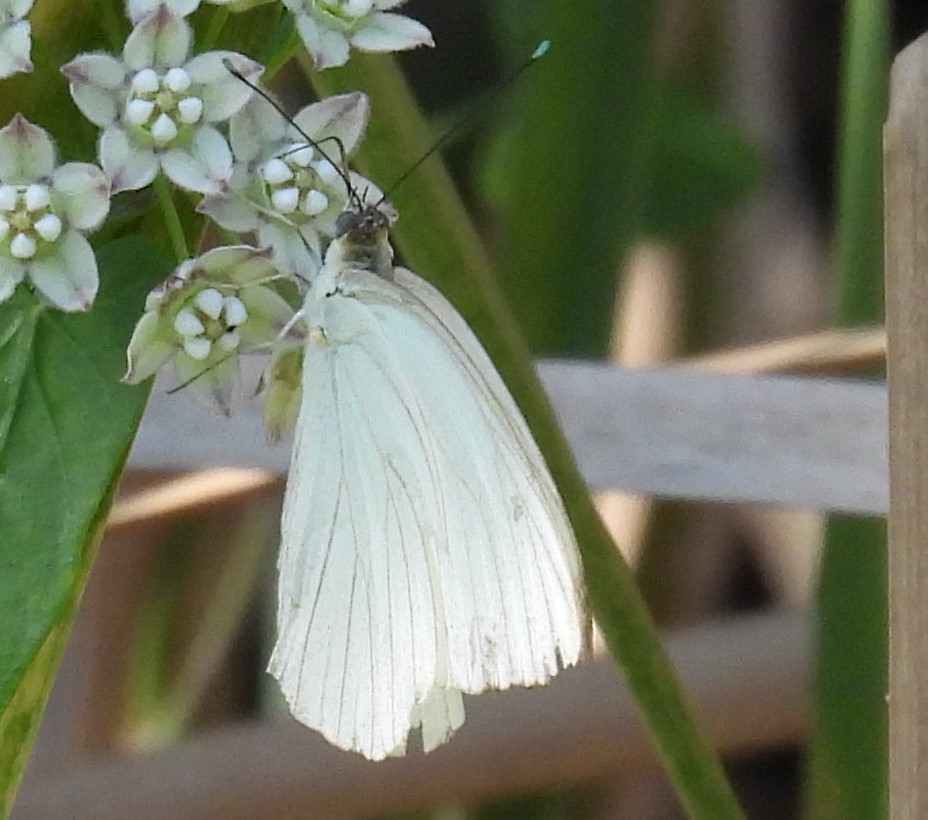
point(425, 544)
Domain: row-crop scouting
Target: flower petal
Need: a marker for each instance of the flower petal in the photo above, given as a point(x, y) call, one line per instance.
point(137, 9)
point(343, 116)
point(370, 193)
point(15, 44)
point(212, 381)
point(284, 388)
point(149, 349)
point(221, 91)
point(257, 130)
point(294, 251)
point(127, 165)
point(328, 48)
point(67, 277)
point(27, 153)
point(17, 9)
point(237, 265)
point(268, 314)
point(203, 165)
point(12, 272)
point(81, 194)
point(97, 86)
point(162, 40)
point(391, 32)
point(230, 210)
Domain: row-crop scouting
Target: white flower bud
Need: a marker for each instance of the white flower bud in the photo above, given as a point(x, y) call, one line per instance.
point(23, 246)
point(190, 109)
point(4, 228)
point(37, 196)
point(9, 196)
point(235, 310)
point(210, 302)
point(177, 80)
point(163, 129)
point(187, 324)
point(146, 82)
point(285, 200)
point(228, 341)
point(314, 203)
point(138, 111)
point(48, 227)
point(327, 172)
point(276, 171)
point(300, 154)
point(197, 347)
point(358, 8)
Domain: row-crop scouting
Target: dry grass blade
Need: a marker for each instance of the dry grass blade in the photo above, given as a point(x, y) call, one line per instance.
point(189, 493)
point(822, 353)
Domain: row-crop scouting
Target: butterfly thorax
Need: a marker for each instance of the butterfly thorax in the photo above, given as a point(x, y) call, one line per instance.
point(362, 243)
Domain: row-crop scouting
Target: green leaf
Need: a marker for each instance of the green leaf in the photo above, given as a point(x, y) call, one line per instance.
point(702, 166)
point(585, 119)
point(65, 428)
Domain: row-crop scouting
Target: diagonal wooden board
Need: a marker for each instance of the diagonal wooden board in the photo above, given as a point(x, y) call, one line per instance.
point(794, 441)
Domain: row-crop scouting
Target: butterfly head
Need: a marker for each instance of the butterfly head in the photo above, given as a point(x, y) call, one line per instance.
point(362, 240)
point(367, 221)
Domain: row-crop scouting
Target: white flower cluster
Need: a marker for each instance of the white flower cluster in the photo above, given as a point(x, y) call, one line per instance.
point(44, 208)
point(281, 182)
point(194, 118)
point(15, 37)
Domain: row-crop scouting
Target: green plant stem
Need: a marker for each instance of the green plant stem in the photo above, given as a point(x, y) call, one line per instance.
point(279, 57)
point(438, 239)
point(849, 755)
point(172, 221)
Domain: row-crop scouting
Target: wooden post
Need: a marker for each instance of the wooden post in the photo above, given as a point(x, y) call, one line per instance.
point(906, 215)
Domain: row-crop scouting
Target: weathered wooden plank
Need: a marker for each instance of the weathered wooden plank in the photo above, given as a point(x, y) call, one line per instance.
point(906, 217)
point(792, 441)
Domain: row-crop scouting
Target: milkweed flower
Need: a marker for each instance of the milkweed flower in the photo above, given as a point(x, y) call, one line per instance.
point(15, 37)
point(44, 211)
point(158, 109)
point(208, 311)
point(286, 191)
point(138, 9)
point(330, 28)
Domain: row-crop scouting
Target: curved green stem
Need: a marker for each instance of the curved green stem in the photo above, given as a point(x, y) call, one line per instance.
point(284, 53)
point(171, 218)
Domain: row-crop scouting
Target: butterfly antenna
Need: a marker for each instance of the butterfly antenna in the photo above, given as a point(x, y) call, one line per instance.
point(317, 144)
point(491, 94)
point(201, 374)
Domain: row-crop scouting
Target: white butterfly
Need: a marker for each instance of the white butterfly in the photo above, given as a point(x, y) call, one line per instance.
point(425, 549)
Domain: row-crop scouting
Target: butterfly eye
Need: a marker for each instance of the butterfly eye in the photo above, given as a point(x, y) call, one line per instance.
point(346, 222)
